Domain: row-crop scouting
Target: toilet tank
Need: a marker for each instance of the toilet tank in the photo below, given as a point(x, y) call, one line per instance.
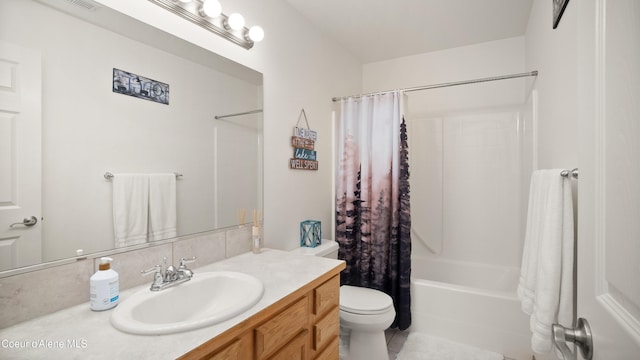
point(328, 249)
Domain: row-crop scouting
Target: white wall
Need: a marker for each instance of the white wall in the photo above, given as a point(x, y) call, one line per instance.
point(554, 53)
point(463, 63)
point(302, 69)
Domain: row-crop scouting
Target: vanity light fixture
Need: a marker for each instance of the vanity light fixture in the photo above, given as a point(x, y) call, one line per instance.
point(208, 14)
point(211, 8)
point(235, 21)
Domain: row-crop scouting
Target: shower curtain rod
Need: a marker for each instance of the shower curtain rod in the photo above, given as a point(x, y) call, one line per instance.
point(238, 114)
point(455, 83)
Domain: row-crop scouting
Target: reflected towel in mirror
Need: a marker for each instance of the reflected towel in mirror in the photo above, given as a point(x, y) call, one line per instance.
point(130, 209)
point(162, 206)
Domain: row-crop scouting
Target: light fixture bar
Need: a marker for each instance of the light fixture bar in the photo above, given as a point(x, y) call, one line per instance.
point(191, 11)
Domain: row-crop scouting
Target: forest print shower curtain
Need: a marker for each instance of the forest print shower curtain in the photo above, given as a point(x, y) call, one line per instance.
point(373, 221)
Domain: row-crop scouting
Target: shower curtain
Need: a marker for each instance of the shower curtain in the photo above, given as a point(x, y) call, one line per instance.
point(373, 221)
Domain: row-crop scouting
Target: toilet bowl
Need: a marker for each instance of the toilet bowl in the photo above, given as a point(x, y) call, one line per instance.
point(364, 313)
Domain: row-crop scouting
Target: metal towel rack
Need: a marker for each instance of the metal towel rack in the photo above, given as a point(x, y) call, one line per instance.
point(110, 176)
point(570, 173)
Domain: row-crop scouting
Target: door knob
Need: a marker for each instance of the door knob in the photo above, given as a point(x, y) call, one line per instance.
point(580, 335)
point(26, 222)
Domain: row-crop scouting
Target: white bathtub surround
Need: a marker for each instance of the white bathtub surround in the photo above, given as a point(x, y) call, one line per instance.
point(546, 279)
point(420, 346)
point(469, 303)
point(465, 184)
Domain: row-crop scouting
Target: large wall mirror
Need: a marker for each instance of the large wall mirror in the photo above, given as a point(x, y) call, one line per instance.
point(62, 127)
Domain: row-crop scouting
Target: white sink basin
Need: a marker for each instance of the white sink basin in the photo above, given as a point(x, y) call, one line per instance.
point(206, 299)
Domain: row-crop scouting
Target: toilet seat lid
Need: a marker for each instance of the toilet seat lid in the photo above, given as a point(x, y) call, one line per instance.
point(360, 300)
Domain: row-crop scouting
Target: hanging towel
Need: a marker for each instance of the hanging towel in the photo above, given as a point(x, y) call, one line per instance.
point(130, 209)
point(546, 277)
point(162, 206)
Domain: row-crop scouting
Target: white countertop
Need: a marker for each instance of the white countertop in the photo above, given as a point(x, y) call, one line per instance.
point(79, 333)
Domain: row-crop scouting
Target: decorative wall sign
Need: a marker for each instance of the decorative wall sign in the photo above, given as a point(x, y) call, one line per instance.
point(298, 142)
point(304, 154)
point(139, 86)
point(303, 142)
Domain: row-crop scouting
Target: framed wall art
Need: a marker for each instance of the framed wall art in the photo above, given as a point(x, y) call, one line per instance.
point(127, 83)
point(558, 10)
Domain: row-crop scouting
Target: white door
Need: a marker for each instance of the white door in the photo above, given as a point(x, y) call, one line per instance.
point(608, 254)
point(20, 155)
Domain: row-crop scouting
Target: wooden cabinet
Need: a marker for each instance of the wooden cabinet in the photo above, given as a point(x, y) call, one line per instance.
point(295, 349)
point(326, 329)
point(280, 329)
point(239, 349)
point(326, 316)
point(331, 352)
point(305, 325)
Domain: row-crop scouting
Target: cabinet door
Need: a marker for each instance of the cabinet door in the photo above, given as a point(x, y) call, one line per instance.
point(239, 349)
point(296, 349)
point(231, 351)
point(325, 330)
point(276, 332)
point(326, 295)
point(331, 352)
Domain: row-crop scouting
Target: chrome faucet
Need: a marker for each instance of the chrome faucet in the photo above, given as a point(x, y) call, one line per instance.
point(183, 271)
point(171, 276)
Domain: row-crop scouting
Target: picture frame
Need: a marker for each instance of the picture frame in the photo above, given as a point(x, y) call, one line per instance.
point(558, 10)
point(131, 84)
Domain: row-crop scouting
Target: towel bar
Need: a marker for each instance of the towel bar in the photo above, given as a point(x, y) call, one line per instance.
point(110, 176)
point(570, 173)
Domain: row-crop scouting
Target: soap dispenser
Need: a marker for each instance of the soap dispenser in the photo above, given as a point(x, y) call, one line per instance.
point(104, 287)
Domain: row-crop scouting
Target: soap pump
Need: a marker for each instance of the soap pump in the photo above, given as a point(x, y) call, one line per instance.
point(104, 287)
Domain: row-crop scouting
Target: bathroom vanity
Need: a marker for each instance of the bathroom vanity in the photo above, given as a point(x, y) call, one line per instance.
point(303, 325)
point(296, 318)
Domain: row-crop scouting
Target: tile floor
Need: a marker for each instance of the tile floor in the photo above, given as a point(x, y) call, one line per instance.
point(395, 340)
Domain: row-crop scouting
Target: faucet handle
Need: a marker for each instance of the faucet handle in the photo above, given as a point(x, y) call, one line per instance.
point(183, 271)
point(184, 262)
point(154, 270)
point(158, 278)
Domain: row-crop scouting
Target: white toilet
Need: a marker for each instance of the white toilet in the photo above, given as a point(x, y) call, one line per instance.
point(364, 313)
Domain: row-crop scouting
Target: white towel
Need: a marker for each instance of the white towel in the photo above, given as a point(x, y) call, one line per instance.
point(130, 209)
point(162, 206)
point(546, 277)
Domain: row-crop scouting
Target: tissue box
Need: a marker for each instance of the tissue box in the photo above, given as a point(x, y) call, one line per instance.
point(310, 233)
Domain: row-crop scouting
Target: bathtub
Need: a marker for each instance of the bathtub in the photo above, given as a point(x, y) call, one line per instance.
point(474, 304)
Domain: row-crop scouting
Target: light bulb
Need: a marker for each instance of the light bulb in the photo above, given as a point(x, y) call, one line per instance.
point(211, 8)
point(256, 34)
point(235, 21)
